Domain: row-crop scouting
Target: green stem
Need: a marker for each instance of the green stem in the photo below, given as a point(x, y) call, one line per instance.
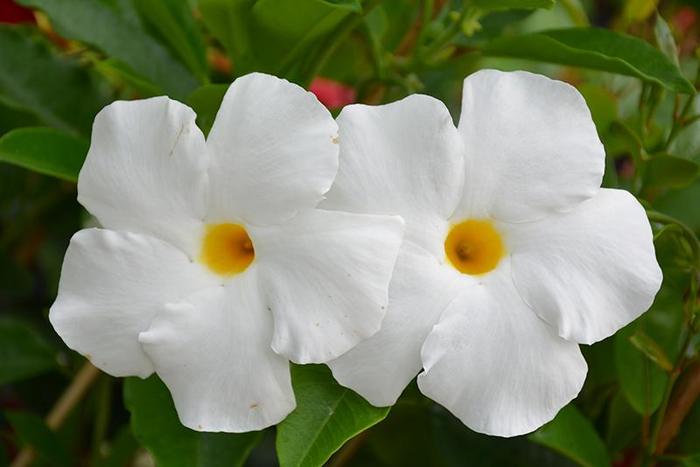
point(661, 218)
point(447, 35)
point(681, 121)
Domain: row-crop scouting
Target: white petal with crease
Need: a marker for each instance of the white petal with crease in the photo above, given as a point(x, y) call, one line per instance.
point(326, 276)
point(111, 286)
point(146, 171)
point(273, 151)
point(405, 157)
point(495, 365)
point(213, 352)
point(380, 367)
point(588, 272)
point(532, 147)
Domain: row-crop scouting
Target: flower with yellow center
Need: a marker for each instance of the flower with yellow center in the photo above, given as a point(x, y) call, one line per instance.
point(512, 256)
point(215, 268)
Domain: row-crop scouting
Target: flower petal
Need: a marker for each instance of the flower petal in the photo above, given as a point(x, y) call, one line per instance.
point(213, 352)
point(532, 147)
point(495, 365)
point(403, 158)
point(112, 283)
point(146, 171)
point(326, 275)
point(273, 151)
point(588, 272)
point(380, 367)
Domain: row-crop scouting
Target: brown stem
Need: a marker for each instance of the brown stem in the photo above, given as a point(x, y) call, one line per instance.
point(685, 395)
point(68, 400)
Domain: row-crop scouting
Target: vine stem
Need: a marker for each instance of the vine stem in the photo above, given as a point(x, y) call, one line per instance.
point(73, 394)
point(688, 391)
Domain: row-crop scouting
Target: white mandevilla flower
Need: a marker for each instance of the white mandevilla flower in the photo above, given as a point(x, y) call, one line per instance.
point(215, 268)
point(513, 254)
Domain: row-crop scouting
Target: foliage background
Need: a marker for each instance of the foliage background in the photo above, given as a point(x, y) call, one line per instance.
point(636, 63)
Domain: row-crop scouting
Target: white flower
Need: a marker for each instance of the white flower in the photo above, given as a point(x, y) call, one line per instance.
point(215, 268)
point(512, 255)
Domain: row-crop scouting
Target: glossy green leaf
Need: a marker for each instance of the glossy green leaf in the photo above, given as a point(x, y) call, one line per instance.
point(257, 39)
point(23, 352)
point(493, 5)
point(327, 415)
point(44, 150)
point(156, 426)
point(56, 89)
point(641, 380)
point(205, 101)
point(664, 39)
point(665, 171)
point(174, 20)
point(573, 435)
point(597, 49)
point(113, 29)
point(32, 431)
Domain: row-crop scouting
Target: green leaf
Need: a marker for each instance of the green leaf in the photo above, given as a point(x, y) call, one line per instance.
point(54, 88)
point(624, 424)
point(156, 425)
point(651, 349)
point(44, 150)
point(23, 352)
point(597, 49)
point(327, 415)
point(257, 39)
point(573, 435)
point(664, 39)
point(691, 461)
point(31, 430)
point(206, 102)
point(493, 5)
point(642, 381)
point(121, 450)
point(174, 20)
point(113, 30)
point(682, 204)
point(352, 5)
point(665, 171)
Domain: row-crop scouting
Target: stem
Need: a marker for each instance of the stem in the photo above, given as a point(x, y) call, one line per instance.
point(64, 405)
point(688, 391)
point(447, 35)
point(656, 216)
point(680, 121)
point(655, 447)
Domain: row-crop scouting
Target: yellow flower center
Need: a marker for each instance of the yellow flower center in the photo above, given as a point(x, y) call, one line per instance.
point(227, 249)
point(474, 246)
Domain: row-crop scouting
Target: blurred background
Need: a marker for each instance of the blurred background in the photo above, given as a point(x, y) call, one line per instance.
point(635, 62)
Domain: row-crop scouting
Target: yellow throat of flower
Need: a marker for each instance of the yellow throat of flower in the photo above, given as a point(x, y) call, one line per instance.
point(474, 246)
point(227, 249)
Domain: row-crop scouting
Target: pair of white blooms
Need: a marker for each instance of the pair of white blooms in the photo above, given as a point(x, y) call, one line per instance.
point(384, 243)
